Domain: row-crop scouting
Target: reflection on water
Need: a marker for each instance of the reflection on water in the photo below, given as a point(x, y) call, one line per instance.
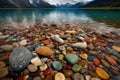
point(29, 17)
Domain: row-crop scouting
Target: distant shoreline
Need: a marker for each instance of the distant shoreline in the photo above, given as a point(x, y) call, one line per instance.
point(68, 8)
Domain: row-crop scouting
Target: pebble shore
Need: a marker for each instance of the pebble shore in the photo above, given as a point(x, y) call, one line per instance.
point(52, 52)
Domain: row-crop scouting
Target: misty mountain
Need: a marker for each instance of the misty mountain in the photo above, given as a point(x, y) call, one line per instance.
point(68, 5)
point(104, 3)
point(6, 4)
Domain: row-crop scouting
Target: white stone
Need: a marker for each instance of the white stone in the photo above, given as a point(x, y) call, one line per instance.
point(57, 38)
point(59, 76)
point(80, 45)
point(23, 42)
point(36, 61)
point(43, 67)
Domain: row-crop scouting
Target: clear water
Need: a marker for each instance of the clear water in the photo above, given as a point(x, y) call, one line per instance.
point(29, 17)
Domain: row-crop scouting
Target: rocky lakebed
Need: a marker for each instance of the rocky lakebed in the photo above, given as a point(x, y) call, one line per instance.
point(52, 52)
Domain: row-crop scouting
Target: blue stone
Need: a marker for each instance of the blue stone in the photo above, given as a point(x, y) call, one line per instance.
point(71, 58)
point(90, 58)
point(57, 65)
point(19, 58)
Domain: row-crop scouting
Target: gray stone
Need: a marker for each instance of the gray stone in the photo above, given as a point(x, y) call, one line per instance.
point(20, 58)
point(7, 47)
point(77, 76)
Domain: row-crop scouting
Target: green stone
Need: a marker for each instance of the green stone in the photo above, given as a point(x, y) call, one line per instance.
point(61, 57)
point(71, 58)
point(76, 68)
point(105, 63)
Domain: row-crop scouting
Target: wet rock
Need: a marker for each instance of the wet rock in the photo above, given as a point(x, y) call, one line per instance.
point(23, 42)
point(80, 45)
point(2, 37)
point(36, 61)
point(68, 73)
point(110, 60)
point(77, 76)
point(76, 68)
point(96, 61)
point(57, 65)
point(71, 58)
point(59, 76)
point(43, 67)
point(2, 65)
point(6, 47)
point(47, 72)
point(100, 72)
point(105, 63)
point(3, 72)
point(44, 51)
point(57, 38)
point(19, 58)
point(83, 56)
point(116, 78)
point(32, 68)
point(116, 48)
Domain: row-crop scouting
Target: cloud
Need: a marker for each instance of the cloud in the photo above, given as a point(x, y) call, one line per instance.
point(59, 2)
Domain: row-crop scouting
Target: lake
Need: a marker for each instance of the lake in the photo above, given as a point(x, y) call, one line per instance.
point(101, 18)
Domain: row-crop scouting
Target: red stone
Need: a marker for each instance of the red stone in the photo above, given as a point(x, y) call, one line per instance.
point(46, 42)
point(110, 60)
point(7, 53)
point(20, 78)
point(91, 67)
point(96, 61)
point(47, 72)
point(69, 66)
point(100, 44)
point(87, 40)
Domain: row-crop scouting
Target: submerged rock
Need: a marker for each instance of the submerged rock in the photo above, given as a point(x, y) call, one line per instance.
point(44, 51)
point(80, 45)
point(19, 58)
point(57, 38)
point(71, 58)
point(7, 47)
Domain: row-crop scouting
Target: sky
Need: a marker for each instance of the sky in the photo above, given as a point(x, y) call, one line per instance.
point(59, 2)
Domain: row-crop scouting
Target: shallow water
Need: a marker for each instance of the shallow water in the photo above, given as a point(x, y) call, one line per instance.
point(29, 17)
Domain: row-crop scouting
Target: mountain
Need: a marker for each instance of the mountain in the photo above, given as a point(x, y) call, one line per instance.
point(6, 4)
point(24, 4)
point(103, 3)
point(68, 5)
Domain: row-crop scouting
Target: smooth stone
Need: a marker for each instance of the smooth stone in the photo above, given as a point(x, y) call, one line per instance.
point(7, 47)
point(76, 68)
point(103, 74)
point(2, 65)
point(88, 77)
point(19, 58)
point(43, 67)
point(36, 61)
point(116, 78)
point(90, 57)
point(62, 48)
point(110, 60)
point(68, 73)
point(96, 61)
point(80, 45)
point(23, 42)
point(61, 57)
point(32, 68)
point(47, 72)
point(49, 77)
point(59, 76)
point(57, 38)
point(3, 72)
point(65, 36)
point(95, 79)
point(83, 56)
point(36, 45)
point(116, 48)
point(84, 70)
point(37, 78)
point(69, 49)
point(91, 67)
point(77, 76)
point(44, 60)
point(105, 63)
point(44, 51)
point(4, 37)
point(57, 65)
point(71, 58)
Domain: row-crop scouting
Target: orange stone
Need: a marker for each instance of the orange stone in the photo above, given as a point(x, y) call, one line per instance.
point(116, 48)
point(110, 60)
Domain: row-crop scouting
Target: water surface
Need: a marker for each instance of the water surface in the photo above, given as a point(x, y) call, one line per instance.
point(29, 17)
